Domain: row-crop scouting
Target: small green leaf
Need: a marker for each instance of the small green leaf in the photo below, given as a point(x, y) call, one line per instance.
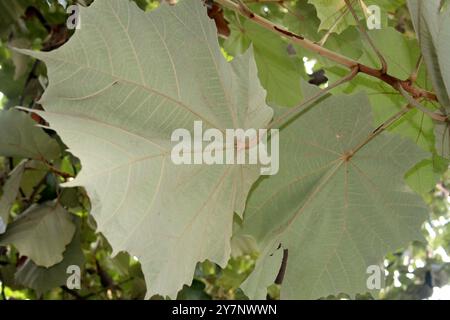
point(278, 71)
point(422, 178)
point(41, 233)
point(20, 137)
point(10, 191)
point(43, 279)
point(119, 120)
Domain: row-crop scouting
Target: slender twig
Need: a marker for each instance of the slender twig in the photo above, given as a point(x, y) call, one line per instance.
point(292, 112)
point(331, 55)
point(308, 44)
point(56, 171)
point(35, 191)
point(416, 104)
point(368, 39)
point(332, 28)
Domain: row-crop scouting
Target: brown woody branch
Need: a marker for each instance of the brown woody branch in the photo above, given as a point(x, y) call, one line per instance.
point(396, 83)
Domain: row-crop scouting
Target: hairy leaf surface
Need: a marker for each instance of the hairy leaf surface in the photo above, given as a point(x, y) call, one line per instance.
point(138, 77)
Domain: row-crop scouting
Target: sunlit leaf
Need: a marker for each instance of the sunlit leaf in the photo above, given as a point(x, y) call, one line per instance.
point(139, 77)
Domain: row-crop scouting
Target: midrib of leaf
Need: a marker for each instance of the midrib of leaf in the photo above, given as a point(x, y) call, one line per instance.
point(290, 183)
point(191, 221)
point(144, 216)
point(116, 79)
point(320, 185)
point(334, 253)
point(375, 190)
point(189, 225)
point(132, 160)
point(109, 170)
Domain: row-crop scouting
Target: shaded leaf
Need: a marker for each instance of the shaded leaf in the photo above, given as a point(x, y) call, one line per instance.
point(20, 137)
point(422, 178)
point(278, 71)
point(433, 31)
point(41, 233)
point(10, 192)
point(264, 274)
point(333, 14)
point(43, 279)
point(335, 214)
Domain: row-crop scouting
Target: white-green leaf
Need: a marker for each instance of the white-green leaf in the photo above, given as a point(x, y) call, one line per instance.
point(118, 89)
point(433, 31)
point(335, 214)
point(41, 233)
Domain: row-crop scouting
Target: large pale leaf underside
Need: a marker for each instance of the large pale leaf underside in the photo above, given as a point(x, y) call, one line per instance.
point(118, 89)
point(335, 216)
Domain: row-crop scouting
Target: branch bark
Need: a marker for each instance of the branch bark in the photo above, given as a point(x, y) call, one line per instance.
point(351, 64)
